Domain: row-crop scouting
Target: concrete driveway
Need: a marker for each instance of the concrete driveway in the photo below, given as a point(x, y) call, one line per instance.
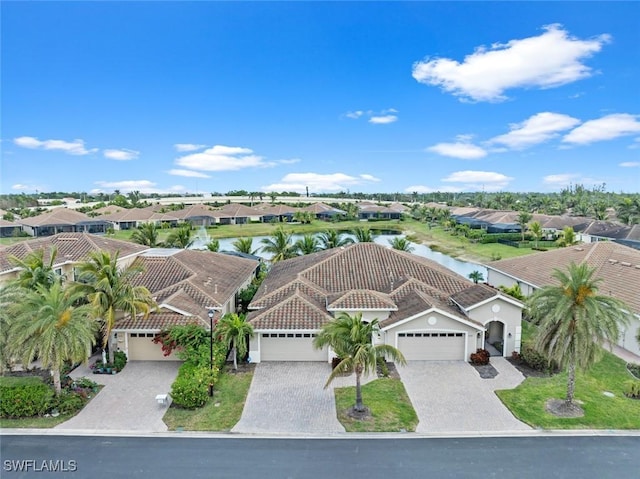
point(127, 400)
point(450, 396)
point(289, 397)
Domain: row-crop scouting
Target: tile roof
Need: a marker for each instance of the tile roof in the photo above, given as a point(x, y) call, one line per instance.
point(71, 247)
point(474, 295)
point(360, 276)
point(57, 216)
point(617, 265)
point(296, 312)
point(158, 321)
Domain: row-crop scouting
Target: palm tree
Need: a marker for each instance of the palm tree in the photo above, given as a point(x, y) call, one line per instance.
point(307, 244)
point(333, 239)
point(233, 330)
point(146, 234)
point(34, 271)
point(110, 289)
point(48, 324)
point(279, 245)
point(10, 295)
point(181, 237)
point(536, 231)
point(476, 276)
point(401, 244)
point(245, 245)
point(214, 245)
point(568, 237)
point(574, 321)
point(363, 235)
point(523, 218)
point(351, 339)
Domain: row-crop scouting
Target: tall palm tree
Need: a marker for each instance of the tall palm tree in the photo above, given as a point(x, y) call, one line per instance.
point(363, 235)
point(279, 245)
point(333, 239)
point(181, 237)
point(351, 339)
point(307, 244)
point(536, 231)
point(233, 330)
point(574, 321)
point(34, 270)
point(10, 295)
point(245, 245)
point(401, 244)
point(48, 324)
point(523, 218)
point(110, 289)
point(146, 234)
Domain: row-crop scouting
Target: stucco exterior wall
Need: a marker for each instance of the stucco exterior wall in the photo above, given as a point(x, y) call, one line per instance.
point(506, 313)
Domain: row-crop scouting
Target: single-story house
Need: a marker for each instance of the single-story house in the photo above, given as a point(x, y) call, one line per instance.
point(368, 211)
point(424, 309)
point(186, 284)
point(323, 211)
point(9, 229)
point(72, 248)
point(617, 265)
point(62, 220)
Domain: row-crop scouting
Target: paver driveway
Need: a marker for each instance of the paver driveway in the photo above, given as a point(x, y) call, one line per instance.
point(450, 396)
point(289, 397)
point(127, 400)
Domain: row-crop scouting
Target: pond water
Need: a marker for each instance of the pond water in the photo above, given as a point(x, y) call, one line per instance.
point(463, 268)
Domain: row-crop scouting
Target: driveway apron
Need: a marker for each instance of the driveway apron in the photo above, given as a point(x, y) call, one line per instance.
point(450, 396)
point(127, 402)
point(289, 397)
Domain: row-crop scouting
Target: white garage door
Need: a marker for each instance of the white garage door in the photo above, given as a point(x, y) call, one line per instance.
point(142, 348)
point(432, 346)
point(290, 347)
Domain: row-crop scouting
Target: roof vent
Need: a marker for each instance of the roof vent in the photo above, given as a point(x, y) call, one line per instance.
point(625, 263)
point(578, 249)
point(613, 261)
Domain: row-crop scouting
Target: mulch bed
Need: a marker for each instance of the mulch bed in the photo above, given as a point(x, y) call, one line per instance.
point(560, 408)
point(393, 372)
point(526, 370)
point(486, 371)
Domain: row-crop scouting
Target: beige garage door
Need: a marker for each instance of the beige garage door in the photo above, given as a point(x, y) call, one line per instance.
point(432, 346)
point(290, 347)
point(142, 348)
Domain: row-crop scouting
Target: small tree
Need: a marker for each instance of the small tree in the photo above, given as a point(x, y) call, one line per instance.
point(307, 244)
point(146, 234)
point(523, 219)
point(181, 237)
point(401, 244)
point(213, 245)
point(233, 331)
point(536, 231)
point(476, 276)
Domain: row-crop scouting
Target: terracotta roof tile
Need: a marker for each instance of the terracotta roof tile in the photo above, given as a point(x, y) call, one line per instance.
point(473, 295)
point(158, 321)
point(362, 299)
point(296, 312)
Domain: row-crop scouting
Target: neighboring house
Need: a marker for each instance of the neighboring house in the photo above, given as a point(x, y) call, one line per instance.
point(607, 230)
point(62, 220)
point(197, 215)
point(617, 265)
point(424, 309)
point(277, 213)
point(9, 229)
point(186, 284)
point(131, 218)
point(72, 248)
point(236, 214)
point(368, 211)
point(323, 211)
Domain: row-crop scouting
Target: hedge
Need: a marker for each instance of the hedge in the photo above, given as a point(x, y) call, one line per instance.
point(24, 397)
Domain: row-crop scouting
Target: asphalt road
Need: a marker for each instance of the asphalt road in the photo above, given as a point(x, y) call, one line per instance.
point(247, 458)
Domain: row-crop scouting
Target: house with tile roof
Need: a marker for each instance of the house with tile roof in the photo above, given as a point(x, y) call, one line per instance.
point(424, 309)
point(61, 220)
point(617, 265)
point(9, 229)
point(186, 285)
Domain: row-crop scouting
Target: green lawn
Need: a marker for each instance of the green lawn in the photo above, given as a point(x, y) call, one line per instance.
point(35, 422)
point(221, 412)
point(391, 409)
point(527, 401)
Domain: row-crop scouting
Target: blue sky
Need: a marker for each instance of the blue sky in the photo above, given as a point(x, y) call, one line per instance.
point(333, 96)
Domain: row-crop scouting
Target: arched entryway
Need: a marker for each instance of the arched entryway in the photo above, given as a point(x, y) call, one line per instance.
point(494, 338)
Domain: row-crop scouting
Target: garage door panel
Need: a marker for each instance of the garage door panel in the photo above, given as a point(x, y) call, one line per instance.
point(142, 348)
point(432, 346)
point(291, 347)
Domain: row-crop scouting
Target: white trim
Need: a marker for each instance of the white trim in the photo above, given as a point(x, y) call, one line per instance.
point(436, 310)
point(505, 298)
point(440, 330)
point(174, 309)
point(519, 280)
point(362, 309)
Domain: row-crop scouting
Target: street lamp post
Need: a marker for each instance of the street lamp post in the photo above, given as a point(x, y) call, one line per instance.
point(210, 314)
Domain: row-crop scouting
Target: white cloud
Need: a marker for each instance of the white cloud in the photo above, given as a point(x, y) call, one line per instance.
point(319, 183)
point(290, 161)
point(536, 129)
point(23, 187)
point(551, 59)
point(354, 114)
point(75, 147)
point(629, 164)
point(143, 186)
point(121, 155)
point(562, 179)
point(188, 147)
point(188, 173)
point(479, 180)
point(383, 120)
point(462, 150)
point(223, 158)
point(605, 128)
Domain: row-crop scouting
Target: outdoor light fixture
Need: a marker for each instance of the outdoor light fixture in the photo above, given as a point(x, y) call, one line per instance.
point(210, 314)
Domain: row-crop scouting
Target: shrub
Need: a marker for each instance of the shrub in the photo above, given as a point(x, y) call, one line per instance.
point(191, 388)
point(24, 397)
point(119, 360)
point(69, 402)
point(536, 360)
point(480, 357)
point(634, 369)
point(632, 389)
